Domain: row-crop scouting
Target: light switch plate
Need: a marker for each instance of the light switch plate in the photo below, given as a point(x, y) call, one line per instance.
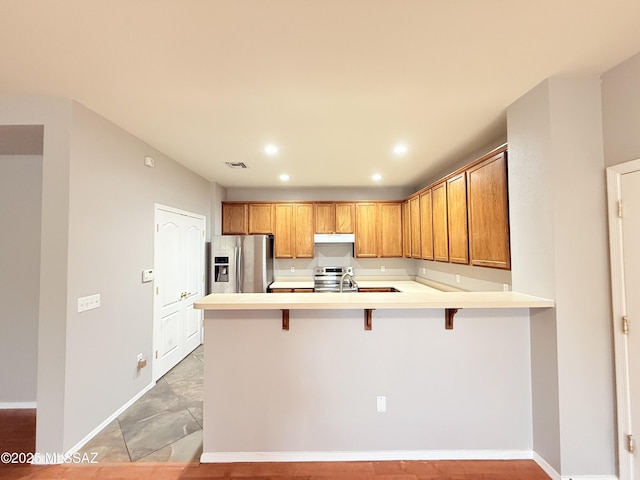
point(88, 303)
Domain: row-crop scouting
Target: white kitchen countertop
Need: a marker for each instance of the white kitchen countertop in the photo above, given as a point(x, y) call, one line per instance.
point(412, 295)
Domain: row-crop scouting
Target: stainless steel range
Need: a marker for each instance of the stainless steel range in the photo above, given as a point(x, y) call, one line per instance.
point(334, 279)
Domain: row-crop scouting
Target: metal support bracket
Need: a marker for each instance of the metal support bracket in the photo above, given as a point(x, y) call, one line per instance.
point(449, 313)
point(285, 319)
point(367, 318)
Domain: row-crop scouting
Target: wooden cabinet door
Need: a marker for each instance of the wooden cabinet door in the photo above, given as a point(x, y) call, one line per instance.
point(366, 241)
point(457, 218)
point(283, 239)
point(303, 230)
point(344, 216)
point(426, 225)
point(325, 217)
point(390, 228)
point(414, 209)
point(489, 213)
point(261, 218)
point(440, 232)
point(406, 229)
point(235, 219)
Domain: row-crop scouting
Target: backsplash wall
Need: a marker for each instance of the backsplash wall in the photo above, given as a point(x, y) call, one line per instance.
point(465, 277)
point(341, 254)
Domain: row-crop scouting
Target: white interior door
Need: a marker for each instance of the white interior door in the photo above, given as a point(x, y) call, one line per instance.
point(179, 281)
point(624, 229)
point(631, 254)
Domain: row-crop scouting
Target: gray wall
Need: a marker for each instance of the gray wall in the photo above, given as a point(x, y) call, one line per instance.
point(313, 388)
point(111, 239)
point(20, 217)
point(55, 115)
point(312, 194)
point(559, 250)
point(621, 112)
point(97, 236)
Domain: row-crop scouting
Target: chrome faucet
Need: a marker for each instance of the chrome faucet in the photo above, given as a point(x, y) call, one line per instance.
point(351, 280)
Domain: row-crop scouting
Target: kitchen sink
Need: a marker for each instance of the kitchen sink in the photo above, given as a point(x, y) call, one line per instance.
point(378, 289)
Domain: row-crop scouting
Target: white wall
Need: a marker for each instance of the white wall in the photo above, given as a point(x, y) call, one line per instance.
point(20, 217)
point(559, 250)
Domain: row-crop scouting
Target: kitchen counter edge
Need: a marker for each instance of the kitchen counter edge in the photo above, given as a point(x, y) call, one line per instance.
point(369, 300)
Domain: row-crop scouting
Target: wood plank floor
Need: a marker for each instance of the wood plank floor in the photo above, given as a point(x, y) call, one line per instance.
point(17, 434)
point(391, 470)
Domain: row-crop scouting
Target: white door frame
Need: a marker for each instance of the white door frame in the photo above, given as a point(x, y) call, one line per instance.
point(614, 195)
point(156, 309)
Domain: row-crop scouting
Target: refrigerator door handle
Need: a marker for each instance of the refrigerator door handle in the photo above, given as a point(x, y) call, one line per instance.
point(237, 252)
point(240, 270)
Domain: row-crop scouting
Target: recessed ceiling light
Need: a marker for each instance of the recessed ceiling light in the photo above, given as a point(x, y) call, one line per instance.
point(400, 149)
point(270, 149)
point(284, 177)
point(376, 177)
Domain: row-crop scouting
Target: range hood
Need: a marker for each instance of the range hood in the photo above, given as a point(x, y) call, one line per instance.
point(334, 238)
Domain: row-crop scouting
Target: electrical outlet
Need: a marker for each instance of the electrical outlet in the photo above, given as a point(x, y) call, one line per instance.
point(424, 270)
point(381, 404)
point(505, 287)
point(382, 269)
point(457, 278)
point(293, 269)
point(141, 362)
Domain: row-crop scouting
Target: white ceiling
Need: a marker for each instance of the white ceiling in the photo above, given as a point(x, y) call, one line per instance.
point(334, 83)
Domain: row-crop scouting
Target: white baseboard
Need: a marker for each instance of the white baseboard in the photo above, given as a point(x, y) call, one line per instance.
point(17, 405)
point(110, 419)
point(549, 470)
point(589, 477)
point(232, 457)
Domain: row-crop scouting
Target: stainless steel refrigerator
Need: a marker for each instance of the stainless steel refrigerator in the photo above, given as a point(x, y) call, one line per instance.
point(241, 263)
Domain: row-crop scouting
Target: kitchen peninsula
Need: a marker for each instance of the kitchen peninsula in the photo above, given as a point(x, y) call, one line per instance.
point(331, 387)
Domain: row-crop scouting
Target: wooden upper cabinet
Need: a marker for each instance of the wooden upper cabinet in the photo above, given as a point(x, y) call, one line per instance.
point(303, 230)
point(416, 243)
point(261, 218)
point(235, 219)
point(294, 230)
point(440, 231)
point(335, 217)
point(325, 217)
point(489, 213)
point(426, 225)
point(345, 217)
point(366, 244)
point(406, 229)
point(283, 239)
point(390, 229)
point(457, 218)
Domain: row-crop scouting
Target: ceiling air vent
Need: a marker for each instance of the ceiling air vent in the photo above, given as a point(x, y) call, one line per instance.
point(236, 164)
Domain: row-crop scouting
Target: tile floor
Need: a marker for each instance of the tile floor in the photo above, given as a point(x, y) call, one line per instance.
point(164, 425)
